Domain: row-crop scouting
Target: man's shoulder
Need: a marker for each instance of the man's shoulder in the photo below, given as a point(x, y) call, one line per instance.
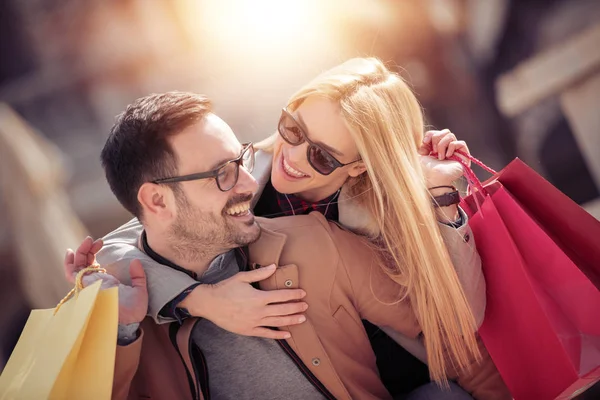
point(128, 233)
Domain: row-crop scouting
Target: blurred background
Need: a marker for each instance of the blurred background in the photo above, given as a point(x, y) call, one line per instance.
point(512, 78)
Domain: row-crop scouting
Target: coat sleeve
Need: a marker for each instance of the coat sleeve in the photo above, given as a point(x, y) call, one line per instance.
point(121, 247)
point(126, 364)
point(467, 263)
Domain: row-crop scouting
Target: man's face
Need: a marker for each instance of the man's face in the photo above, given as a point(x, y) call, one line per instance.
point(207, 218)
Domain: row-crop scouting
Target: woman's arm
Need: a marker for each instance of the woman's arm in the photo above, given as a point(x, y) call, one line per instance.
point(233, 304)
point(440, 174)
point(121, 246)
point(467, 263)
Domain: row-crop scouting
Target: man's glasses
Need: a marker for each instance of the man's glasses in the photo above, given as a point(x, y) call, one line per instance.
point(226, 175)
point(320, 159)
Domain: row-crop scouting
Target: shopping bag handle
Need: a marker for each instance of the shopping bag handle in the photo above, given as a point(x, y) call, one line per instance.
point(474, 161)
point(79, 284)
point(472, 179)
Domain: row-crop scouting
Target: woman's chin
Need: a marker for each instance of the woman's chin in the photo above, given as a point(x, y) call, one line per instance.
point(283, 185)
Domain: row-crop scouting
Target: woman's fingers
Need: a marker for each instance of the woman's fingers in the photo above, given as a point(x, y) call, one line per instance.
point(456, 145)
point(443, 144)
point(69, 266)
point(81, 254)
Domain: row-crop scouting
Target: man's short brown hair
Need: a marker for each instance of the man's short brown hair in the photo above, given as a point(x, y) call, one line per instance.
point(137, 149)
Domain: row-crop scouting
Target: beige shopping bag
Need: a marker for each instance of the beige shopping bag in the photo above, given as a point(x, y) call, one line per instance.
point(67, 352)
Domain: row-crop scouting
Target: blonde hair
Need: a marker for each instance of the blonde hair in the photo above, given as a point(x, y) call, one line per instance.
point(386, 122)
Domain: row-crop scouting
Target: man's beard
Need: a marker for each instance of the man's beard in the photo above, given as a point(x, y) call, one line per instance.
point(197, 235)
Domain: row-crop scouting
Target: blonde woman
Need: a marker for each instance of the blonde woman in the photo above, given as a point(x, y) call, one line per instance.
point(350, 145)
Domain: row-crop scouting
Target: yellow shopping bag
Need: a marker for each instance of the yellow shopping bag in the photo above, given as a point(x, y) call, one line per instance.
point(67, 353)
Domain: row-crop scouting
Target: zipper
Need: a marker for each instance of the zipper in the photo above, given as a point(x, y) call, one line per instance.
point(292, 354)
point(304, 369)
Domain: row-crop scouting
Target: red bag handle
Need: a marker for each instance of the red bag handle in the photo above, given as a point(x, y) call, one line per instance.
point(475, 161)
point(472, 179)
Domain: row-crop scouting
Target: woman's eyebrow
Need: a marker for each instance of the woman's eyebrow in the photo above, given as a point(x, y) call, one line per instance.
point(323, 145)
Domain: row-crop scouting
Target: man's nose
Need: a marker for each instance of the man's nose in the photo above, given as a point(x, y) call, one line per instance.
point(246, 182)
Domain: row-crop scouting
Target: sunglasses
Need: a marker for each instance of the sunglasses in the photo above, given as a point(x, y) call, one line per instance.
point(226, 175)
point(319, 159)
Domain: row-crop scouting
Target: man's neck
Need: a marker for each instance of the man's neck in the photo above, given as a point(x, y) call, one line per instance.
point(198, 264)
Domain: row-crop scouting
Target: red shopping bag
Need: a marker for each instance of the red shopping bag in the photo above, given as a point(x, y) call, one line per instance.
point(542, 325)
point(572, 228)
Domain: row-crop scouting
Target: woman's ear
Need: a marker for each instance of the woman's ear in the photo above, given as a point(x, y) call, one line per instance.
point(357, 169)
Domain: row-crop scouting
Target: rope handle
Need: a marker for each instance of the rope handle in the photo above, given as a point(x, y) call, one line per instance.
point(472, 180)
point(79, 284)
point(476, 162)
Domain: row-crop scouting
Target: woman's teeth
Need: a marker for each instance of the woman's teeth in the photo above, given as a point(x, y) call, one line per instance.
point(239, 209)
point(292, 171)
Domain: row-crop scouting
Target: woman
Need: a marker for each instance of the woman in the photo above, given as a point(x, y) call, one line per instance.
point(348, 143)
point(354, 135)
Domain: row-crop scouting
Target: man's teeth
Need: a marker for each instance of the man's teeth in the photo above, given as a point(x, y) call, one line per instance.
point(238, 209)
point(292, 171)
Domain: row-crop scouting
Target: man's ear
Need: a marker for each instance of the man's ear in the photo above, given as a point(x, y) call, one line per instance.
point(357, 169)
point(155, 200)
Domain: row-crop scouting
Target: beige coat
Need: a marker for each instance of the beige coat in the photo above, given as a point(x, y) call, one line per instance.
point(344, 284)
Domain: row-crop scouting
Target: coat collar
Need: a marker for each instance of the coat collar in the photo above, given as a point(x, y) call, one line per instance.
point(267, 250)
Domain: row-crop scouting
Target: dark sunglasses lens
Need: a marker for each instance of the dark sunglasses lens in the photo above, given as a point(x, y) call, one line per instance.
point(321, 161)
point(228, 176)
point(289, 130)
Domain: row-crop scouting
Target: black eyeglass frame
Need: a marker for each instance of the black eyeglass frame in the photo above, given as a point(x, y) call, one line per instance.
point(336, 163)
point(215, 172)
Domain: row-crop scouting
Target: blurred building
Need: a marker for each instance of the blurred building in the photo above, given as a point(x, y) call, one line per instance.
point(68, 67)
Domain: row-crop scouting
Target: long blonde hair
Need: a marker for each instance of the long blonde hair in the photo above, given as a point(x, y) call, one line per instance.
point(386, 122)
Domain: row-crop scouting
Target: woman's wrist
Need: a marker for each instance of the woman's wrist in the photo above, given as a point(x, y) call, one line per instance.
point(196, 301)
point(440, 188)
point(447, 214)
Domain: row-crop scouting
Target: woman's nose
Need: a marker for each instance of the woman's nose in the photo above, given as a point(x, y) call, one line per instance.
point(297, 154)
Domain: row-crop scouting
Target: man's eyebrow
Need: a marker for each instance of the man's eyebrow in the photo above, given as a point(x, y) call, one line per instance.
point(323, 145)
point(218, 164)
point(223, 161)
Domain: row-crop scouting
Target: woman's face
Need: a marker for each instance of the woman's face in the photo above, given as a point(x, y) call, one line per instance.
point(320, 120)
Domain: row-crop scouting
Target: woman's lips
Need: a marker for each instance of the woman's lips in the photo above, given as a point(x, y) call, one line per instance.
point(290, 172)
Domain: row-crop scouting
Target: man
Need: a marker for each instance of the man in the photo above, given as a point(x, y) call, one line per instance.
point(179, 169)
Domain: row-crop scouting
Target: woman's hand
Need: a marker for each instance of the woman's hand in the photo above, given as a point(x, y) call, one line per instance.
point(236, 306)
point(439, 171)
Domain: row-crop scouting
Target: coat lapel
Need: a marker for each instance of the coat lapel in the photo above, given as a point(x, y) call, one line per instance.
point(304, 341)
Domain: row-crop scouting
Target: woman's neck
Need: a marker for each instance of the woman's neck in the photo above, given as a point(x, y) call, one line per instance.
point(316, 195)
